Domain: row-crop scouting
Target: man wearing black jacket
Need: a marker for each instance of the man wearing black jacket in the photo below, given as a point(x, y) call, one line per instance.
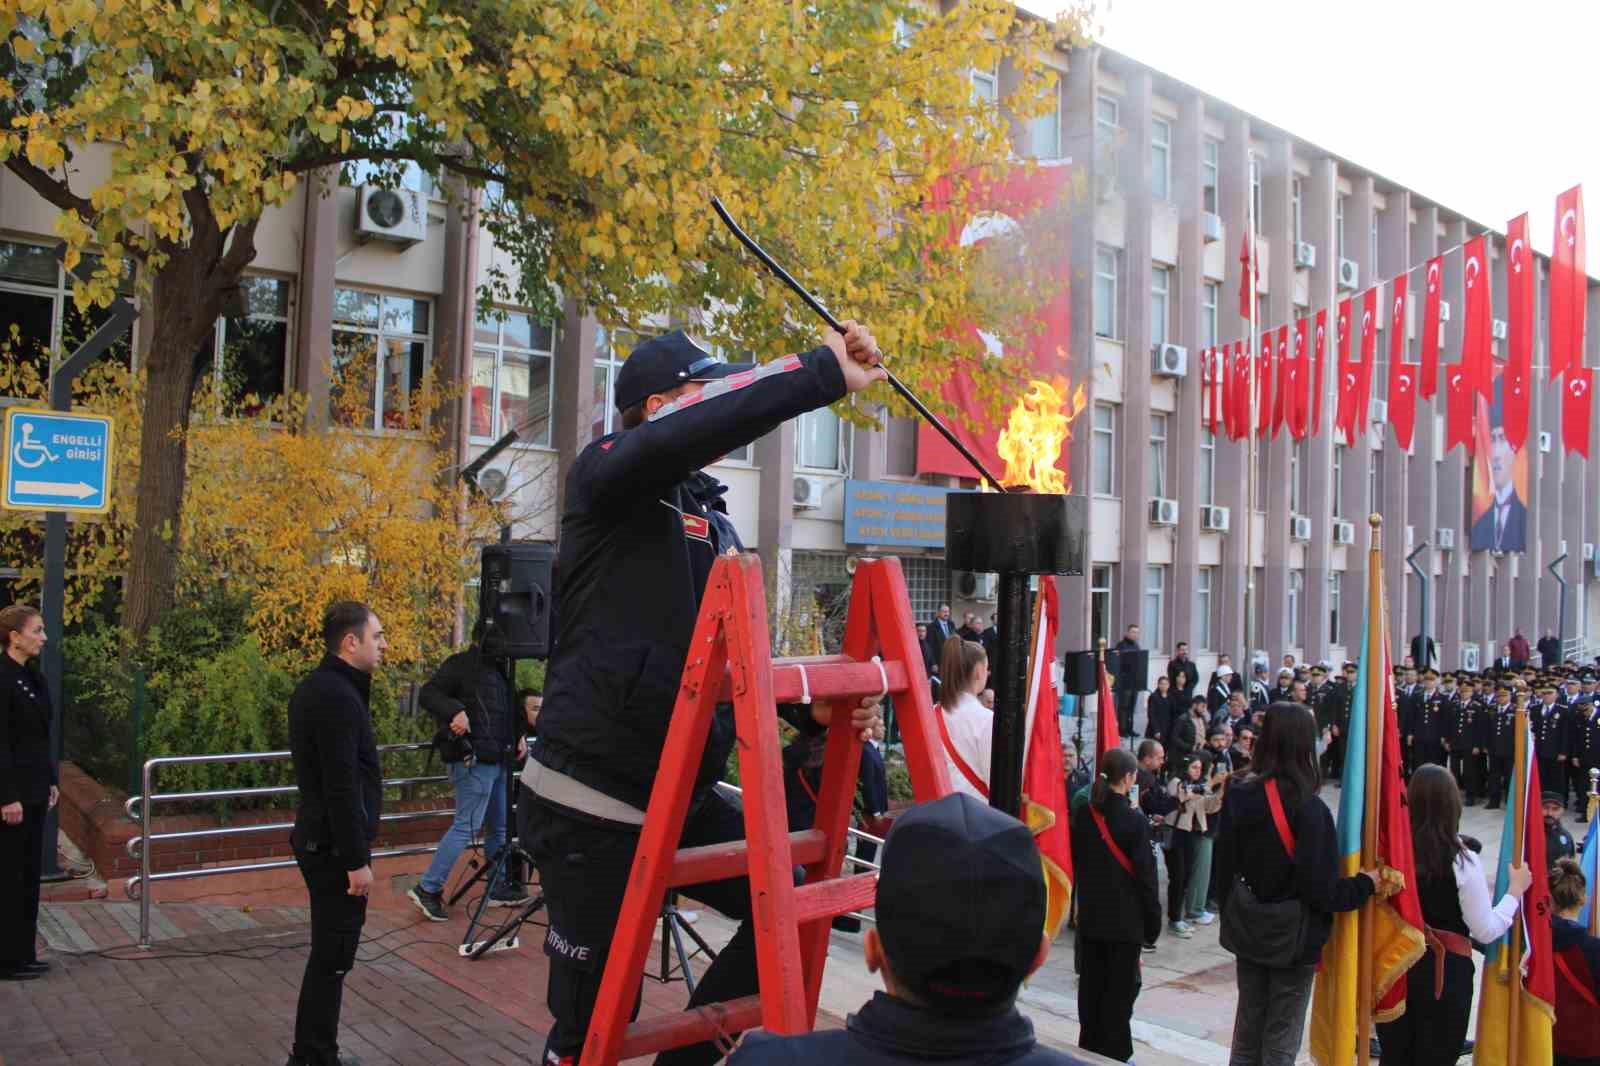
point(341, 797)
point(640, 529)
point(469, 699)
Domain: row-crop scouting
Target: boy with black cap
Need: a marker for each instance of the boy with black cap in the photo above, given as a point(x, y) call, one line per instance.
point(961, 908)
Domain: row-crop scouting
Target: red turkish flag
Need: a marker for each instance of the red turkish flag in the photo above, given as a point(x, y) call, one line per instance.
point(1518, 373)
point(1264, 385)
point(1299, 407)
point(1569, 284)
point(1434, 276)
point(1369, 355)
point(1239, 392)
point(1345, 416)
point(1246, 289)
point(1286, 378)
point(1459, 398)
point(1318, 360)
point(1476, 358)
point(1576, 406)
point(1403, 402)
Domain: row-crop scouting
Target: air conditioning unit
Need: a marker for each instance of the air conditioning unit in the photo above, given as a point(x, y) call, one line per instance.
point(1305, 255)
point(1210, 227)
point(1299, 527)
point(1349, 274)
point(1544, 443)
point(1446, 537)
point(1163, 512)
point(808, 492)
point(1378, 412)
point(975, 586)
point(1169, 360)
point(1444, 310)
point(1588, 553)
point(1499, 329)
point(396, 215)
point(1469, 657)
point(1214, 519)
point(1343, 532)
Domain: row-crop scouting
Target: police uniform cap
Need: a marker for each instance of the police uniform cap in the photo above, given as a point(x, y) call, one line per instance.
point(663, 363)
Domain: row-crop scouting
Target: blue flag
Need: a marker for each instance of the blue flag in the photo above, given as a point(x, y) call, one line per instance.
point(1588, 857)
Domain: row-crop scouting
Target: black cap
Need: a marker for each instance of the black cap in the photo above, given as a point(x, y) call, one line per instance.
point(661, 364)
point(1553, 797)
point(961, 902)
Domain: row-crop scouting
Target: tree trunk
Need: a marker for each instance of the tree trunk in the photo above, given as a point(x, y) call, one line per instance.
point(189, 294)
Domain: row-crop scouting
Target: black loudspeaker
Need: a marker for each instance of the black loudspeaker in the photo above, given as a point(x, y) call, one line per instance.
point(1082, 678)
point(515, 598)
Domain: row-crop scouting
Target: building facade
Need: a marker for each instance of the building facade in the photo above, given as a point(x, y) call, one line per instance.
point(1174, 175)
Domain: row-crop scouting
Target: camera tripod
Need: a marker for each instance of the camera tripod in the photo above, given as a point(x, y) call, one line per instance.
point(673, 929)
point(494, 874)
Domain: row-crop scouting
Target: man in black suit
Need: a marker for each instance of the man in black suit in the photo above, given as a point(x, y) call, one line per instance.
point(1504, 526)
point(1128, 693)
point(1549, 649)
point(341, 796)
point(990, 637)
point(941, 629)
point(1182, 673)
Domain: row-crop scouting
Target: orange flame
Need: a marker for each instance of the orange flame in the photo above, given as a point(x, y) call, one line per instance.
point(1037, 434)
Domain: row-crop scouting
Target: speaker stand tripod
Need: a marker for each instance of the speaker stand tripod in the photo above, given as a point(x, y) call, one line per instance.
point(673, 929)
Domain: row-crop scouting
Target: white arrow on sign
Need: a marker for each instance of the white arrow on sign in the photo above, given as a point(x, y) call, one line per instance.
point(79, 491)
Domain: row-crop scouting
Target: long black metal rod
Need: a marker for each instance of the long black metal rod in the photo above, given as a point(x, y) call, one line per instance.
point(833, 323)
point(1010, 681)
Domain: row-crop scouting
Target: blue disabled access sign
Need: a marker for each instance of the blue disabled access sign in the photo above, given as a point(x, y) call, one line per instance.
point(57, 461)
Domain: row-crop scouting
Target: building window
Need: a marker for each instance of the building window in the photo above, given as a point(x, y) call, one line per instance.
point(1296, 469)
point(1210, 166)
point(1338, 225)
point(1297, 585)
point(1156, 472)
point(1208, 467)
point(611, 347)
point(1204, 581)
point(36, 298)
point(1297, 191)
point(985, 87)
point(513, 361)
point(1107, 269)
point(1372, 249)
point(1255, 192)
point(1209, 294)
point(1160, 158)
point(1100, 579)
point(1160, 310)
point(1044, 131)
point(819, 442)
point(381, 355)
point(1155, 602)
point(1103, 449)
point(1372, 485)
point(254, 347)
point(1338, 480)
point(1106, 121)
point(1335, 606)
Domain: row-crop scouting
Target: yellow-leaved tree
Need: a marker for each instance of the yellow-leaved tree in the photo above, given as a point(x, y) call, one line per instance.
point(601, 130)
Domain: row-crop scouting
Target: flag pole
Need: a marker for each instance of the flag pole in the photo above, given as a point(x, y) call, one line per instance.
point(1252, 379)
point(1594, 808)
point(1376, 676)
point(1519, 819)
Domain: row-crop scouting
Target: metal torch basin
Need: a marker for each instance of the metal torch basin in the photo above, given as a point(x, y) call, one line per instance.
point(1016, 532)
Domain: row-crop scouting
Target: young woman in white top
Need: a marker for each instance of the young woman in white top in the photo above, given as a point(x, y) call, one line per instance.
point(967, 724)
point(1455, 905)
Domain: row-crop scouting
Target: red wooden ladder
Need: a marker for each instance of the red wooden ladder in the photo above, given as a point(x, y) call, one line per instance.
point(730, 660)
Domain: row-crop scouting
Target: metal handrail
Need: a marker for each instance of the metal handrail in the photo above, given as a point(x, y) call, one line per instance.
point(146, 800)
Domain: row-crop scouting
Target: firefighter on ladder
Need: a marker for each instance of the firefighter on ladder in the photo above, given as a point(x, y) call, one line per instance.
point(640, 528)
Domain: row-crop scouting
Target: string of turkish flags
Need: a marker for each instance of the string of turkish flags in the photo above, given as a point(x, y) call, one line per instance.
point(1230, 374)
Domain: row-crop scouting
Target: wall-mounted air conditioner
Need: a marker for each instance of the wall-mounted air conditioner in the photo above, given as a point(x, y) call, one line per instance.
point(1446, 538)
point(1588, 553)
point(1299, 527)
point(1444, 310)
point(1214, 519)
point(1169, 360)
point(1305, 255)
point(808, 492)
point(1349, 274)
point(1343, 532)
point(399, 216)
point(1544, 443)
point(975, 586)
point(1163, 512)
point(1210, 227)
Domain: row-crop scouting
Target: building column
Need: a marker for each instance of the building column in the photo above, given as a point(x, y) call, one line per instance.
point(1355, 505)
point(1233, 194)
point(1134, 427)
point(1188, 328)
point(1272, 493)
point(313, 328)
point(452, 353)
point(1394, 258)
point(774, 454)
point(1321, 191)
point(1453, 491)
point(1422, 490)
point(1550, 471)
point(574, 391)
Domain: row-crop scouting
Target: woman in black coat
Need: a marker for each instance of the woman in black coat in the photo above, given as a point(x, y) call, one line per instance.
point(1159, 710)
point(27, 790)
point(1119, 909)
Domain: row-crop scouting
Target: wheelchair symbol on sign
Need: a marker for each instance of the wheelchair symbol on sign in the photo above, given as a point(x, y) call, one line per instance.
point(27, 445)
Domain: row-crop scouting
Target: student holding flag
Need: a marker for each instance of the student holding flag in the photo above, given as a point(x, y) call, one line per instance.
point(1455, 905)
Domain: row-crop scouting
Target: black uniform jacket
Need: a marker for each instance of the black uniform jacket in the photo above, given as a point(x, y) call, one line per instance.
point(891, 1032)
point(469, 681)
point(1248, 846)
point(1111, 905)
point(336, 762)
point(27, 769)
point(639, 532)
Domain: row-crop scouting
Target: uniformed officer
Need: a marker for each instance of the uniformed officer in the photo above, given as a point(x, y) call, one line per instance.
point(1550, 738)
point(640, 529)
point(1430, 726)
point(1585, 748)
point(1467, 746)
point(1317, 694)
point(1501, 742)
point(1337, 704)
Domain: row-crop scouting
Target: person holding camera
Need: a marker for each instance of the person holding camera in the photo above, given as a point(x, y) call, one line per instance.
point(470, 699)
point(1192, 801)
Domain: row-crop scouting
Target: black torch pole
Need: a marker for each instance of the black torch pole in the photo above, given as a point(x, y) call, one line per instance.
point(833, 323)
point(1010, 696)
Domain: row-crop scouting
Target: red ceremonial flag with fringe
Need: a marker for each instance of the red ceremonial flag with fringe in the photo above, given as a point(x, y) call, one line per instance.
point(1477, 361)
point(1577, 405)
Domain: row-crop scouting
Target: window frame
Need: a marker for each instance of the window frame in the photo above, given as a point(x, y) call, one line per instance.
point(1294, 595)
point(1255, 192)
point(1208, 467)
point(1100, 599)
point(1156, 470)
point(1210, 175)
point(1335, 606)
point(59, 294)
point(1297, 203)
point(1113, 281)
point(842, 468)
point(1210, 301)
point(1107, 448)
point(1152, 612)
point(499, 348)
point(1053, 119)
point(1205, 583)
point(380, 381)
point(1336, 476)
point(1160, 305)
point(1161, 157)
